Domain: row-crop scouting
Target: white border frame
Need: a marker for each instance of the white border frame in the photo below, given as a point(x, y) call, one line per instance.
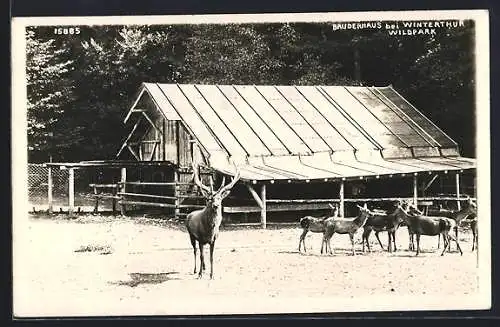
point(482, 75)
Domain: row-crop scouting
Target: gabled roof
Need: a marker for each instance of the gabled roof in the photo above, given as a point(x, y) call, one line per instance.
point(308, 132)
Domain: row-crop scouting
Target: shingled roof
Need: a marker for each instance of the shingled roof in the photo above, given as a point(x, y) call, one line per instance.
point(308, 132)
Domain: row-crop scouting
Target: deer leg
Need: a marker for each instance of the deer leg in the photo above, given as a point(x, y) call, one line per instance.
point(410, 240)
point(446, 242)
point(323, 242)
point(474, 239)
point(418, 243)
point(456, 241)
point(351, 236)
point(330, 244)
point(379, 242)
point(212, 246)
point(302, 240)
point(365, 236)
point(193, 243)
point(202, 259)
point(394, 240)
point(389, 241)
point(439, 240)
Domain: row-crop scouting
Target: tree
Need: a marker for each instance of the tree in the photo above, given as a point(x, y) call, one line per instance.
point(228, 54)
point(48, 89)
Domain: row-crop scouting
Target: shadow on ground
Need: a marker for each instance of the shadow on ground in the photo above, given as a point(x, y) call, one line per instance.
point(144, 278)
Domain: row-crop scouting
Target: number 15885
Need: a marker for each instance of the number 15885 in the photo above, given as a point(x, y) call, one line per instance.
point(66, 30)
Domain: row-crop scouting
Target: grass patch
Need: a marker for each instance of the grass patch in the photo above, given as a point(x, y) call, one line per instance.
point(101, 249)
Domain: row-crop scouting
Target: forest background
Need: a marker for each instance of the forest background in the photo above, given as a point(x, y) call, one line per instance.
point(81, 86)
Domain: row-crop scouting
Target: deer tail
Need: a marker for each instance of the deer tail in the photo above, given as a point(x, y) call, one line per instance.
point(304, 222)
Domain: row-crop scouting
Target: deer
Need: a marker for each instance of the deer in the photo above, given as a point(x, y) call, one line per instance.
point(429, 225)
point(344, 226)
point(203, 224)
point(473, 226)
point(380, 221)
point(460, 215)
point(315, 224)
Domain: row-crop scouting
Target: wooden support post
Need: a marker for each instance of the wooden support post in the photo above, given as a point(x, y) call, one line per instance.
point(177, 209)
point(341, 196)
point(96, 205)
point(115, 193)
point(49, 190)
point(415, 189)
point(123, 179)
point(71, 191)
point(263, 216)
point(457, 185)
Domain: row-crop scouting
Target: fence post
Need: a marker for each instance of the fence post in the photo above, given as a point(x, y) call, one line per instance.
point(123, 179)
point(415, 189)
point(263, 214)
point(49, 190)
point(457, 186)
point(176, 194)
point(71, 190)
point(96, 206)
point(341, 196)
point(115, 193)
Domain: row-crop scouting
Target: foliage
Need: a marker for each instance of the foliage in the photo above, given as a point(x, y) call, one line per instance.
point(48, 89)
point(81, 87)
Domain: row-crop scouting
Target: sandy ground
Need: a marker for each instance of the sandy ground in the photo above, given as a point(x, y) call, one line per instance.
point(145, 268)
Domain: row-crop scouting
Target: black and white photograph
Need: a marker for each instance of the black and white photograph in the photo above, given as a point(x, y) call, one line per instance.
point(250, 164)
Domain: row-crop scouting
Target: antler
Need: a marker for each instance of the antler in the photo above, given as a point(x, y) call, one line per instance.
point(204, 189)
point(235, 179)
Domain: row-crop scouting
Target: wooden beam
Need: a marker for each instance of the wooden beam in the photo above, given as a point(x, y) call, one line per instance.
point(151, 122)
point(153, 153)
point(457, 186)
point(123, 180)
point(255, 196)
point(135, 103)
point(146, 141)
point(71, 191)
point(263, 214)
point(277, 207)
point(301, 200)
point(149, 195)
point(96, 206)
point(415, 184)
point(177, 203)
point(161, 205)
point(129, 136)
point(341, 197)
point(430, 182)
point(133, 153)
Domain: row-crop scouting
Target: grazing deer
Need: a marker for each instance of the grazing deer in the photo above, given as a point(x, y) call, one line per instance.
point(431, 226)
point(378, 222)
point(315, 224)
point(344, 226)
point(203, 225)
point(469, 209)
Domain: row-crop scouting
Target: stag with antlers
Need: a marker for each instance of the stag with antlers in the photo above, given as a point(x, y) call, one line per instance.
point(203, 224)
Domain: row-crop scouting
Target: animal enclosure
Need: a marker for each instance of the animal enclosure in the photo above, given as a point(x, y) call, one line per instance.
point(145, 274)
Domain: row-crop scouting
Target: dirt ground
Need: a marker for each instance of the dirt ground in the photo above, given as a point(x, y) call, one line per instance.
point(95, 265)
